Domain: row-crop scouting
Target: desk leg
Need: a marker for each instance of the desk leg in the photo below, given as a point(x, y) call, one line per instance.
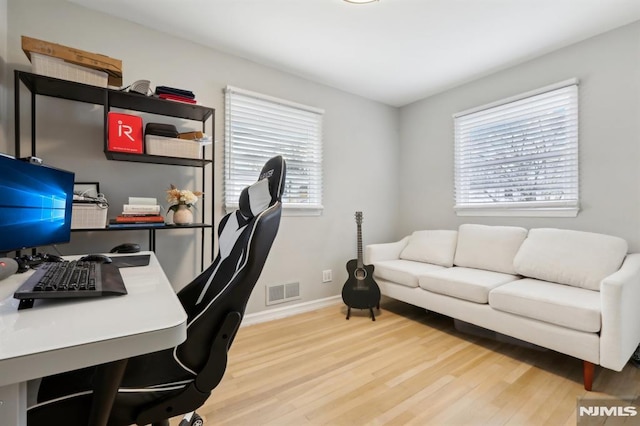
point(107, 380)
point(152, 240)
point(13, 404)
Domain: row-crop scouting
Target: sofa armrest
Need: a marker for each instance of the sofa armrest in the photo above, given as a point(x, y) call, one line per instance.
point(385, 251)
point(620, 304)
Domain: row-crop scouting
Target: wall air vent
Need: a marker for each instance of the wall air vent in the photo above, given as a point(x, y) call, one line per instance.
point(282, 293)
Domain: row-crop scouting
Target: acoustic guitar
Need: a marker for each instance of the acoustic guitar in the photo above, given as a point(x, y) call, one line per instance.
point(360, 291)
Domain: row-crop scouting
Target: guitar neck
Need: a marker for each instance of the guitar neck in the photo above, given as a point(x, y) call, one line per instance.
point(360, 261)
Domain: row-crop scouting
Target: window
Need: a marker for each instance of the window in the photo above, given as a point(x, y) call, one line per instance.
point(519, 156)
point(257, 127)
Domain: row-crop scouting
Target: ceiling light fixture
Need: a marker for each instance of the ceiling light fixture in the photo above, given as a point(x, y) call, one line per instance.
point(360, 1)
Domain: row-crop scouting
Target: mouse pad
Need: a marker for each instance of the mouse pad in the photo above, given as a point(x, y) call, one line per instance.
point(130, 261)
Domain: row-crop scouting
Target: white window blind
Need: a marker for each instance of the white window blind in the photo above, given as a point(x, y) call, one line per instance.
point(258, 127)
point(519, 156)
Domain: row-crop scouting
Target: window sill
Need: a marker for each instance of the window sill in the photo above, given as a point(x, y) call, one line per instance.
point(520, 212)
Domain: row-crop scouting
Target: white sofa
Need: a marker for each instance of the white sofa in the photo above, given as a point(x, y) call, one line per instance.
point(574, 292)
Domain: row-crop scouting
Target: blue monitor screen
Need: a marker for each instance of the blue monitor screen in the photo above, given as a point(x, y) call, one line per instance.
point(35, 204)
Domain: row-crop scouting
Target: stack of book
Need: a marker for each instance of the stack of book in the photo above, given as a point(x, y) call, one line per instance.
point(139, 211)
point(175, 94)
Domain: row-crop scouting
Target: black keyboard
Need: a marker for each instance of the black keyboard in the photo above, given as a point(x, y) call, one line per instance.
point(67, 276)
point(70, 279)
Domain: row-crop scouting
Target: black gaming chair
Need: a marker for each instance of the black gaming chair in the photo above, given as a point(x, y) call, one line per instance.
point(179, 380)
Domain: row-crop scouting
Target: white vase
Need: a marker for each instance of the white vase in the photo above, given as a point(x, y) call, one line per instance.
point(183, 215)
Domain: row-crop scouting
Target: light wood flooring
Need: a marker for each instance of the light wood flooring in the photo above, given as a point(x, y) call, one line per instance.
point(408, 367)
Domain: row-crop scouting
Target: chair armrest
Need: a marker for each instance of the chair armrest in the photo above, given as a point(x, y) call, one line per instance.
point(385, 251)
point(620, 304)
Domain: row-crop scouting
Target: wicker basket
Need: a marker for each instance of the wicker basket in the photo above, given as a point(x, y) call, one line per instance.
point(55, 67)
point(88, 216)
point(172, 147)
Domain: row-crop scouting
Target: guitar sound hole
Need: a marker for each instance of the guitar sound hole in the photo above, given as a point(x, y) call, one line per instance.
point(360, 274)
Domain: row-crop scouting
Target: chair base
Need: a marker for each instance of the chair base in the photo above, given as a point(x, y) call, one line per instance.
point(191, 419)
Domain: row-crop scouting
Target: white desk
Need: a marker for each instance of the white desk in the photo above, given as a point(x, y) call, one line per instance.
point(61, 335)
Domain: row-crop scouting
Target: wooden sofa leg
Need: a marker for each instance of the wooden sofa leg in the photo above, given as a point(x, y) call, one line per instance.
point(588, 368)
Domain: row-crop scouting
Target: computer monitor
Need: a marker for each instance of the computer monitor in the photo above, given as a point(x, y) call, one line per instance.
point(35, 204)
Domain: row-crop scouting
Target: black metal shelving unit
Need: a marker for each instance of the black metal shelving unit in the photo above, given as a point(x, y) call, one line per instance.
point(108, 99)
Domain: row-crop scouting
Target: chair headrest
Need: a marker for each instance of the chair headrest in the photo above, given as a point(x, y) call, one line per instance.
point(256, 198)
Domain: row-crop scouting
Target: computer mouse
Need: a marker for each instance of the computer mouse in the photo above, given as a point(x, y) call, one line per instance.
point(126, 248)
point(99, 258)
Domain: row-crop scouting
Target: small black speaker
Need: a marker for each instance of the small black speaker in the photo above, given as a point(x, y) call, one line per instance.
point(8, 267)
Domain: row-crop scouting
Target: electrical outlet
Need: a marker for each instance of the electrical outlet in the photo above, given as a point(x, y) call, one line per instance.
point(327, 276)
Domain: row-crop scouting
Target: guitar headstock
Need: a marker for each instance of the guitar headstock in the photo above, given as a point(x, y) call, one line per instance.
point(359, 218)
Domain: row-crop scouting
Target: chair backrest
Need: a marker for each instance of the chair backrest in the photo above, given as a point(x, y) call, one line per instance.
point(245, 239)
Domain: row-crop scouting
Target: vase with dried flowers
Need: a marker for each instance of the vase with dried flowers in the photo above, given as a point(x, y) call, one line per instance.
point(181, 202)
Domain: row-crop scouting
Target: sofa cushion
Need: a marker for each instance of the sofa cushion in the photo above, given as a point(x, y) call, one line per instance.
point(403, 272)
point(488, 247)
point(558, 304)
point(433, 246)
point(464, 283)
point(576, 258)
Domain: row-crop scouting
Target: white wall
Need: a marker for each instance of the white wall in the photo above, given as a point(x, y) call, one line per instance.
point(608, 67)
point(360, 145)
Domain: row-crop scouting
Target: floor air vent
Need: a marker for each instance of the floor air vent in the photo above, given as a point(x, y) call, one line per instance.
point(282, 293)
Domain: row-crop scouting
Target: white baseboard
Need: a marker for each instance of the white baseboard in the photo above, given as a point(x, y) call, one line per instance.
point(287, 311)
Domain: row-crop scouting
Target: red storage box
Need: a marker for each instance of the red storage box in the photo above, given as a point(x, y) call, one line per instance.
point(124, 133)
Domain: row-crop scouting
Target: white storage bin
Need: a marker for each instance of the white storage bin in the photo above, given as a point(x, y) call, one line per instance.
point(172, 147)
point(58, 68)
point(88, 216)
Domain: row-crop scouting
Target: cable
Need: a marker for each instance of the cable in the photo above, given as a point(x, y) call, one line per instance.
point(100, 200)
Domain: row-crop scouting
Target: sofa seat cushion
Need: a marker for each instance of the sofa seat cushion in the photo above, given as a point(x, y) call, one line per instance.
point(469, 284)
point(488, 247)
point(403, 272)
point(576, 258)
point(559, 304)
